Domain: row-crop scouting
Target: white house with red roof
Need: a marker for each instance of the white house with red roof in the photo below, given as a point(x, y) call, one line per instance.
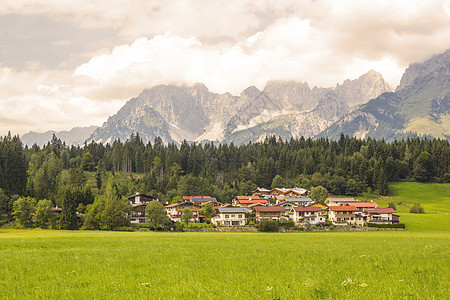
point(309, 215)
point(381, 215)
point(345, 215)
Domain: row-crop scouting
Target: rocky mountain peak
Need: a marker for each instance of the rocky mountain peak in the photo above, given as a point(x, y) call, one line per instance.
point(418, 70)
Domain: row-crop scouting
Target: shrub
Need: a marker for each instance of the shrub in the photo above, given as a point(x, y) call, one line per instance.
point(266, 225)
point(392, 205)
point(399, 225)
point(417, 209)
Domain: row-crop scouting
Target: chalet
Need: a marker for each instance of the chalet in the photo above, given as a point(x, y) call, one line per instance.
point(288, 208)
point(199, 199)
point(311, 215)
point(319, 204)
point(339, 201)
point(268, 212)
point(343, 215)
point(261, 192)
point(251, 207)
point(230, 216)
point(296, 192)
point(138, 213)
point(382, 215)
point(141, 198)
point(361, 206)
point(175, 210)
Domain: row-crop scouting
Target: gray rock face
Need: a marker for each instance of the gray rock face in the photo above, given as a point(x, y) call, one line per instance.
point(419, 70)
point(288, 108)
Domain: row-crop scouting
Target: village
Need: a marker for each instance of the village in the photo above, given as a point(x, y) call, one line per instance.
point(279, 204)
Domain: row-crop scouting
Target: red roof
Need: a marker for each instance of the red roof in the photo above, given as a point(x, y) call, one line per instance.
point(385, 210)
point(269, 208)
point(252, 201)
point(363, 204)
point(309, 208)
point(249, 198)
point(343, 208)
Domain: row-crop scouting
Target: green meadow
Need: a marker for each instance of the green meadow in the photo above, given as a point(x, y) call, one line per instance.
point(411, 264)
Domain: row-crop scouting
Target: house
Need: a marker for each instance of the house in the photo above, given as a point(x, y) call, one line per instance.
point(245, 201)
point(339, 201)
point(382, 215)
point(296, 192)
point(215, 205)
point(141, 198)
point(268, 212)
point(138, 213)
point(261, 192)
point(248, 200)
point(343, 215)
point(310, 215)
point(175, 210)
point(230, 216)
point(319, 204)
point(251, 207)
point(288, 208)
point(199, 199)
point(363, 205)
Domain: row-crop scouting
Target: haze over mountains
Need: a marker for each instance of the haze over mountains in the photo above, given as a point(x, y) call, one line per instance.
point(362, 107)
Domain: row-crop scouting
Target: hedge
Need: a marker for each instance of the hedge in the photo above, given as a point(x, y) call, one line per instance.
point(399, 225)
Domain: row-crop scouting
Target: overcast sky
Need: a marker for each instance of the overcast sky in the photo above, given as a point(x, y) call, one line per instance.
point(74, 63)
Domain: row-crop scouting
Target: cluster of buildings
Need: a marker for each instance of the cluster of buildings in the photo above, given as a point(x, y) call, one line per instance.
point(275, 204)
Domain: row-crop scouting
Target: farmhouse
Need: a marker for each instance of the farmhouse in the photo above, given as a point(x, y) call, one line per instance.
point(175, 210)
point(230, 216)
point(261, 192)
point(199, 199)
point(343, 215)
point(363, 205)
point(269, 212)
point(138, 213)
point(308, 215)
point(382, 215)
point(244, 201)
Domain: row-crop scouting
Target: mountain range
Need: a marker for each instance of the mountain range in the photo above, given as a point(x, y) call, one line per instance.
point(362, 107)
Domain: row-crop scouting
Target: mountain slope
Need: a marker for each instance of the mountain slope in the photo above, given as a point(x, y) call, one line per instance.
point(420, 105)
point(76, 136)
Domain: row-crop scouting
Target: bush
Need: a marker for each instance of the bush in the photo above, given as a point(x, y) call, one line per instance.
point(399, 225)
point(266, 225)
point(417, 209)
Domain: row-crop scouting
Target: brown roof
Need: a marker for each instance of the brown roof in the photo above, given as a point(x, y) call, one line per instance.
point(342, 199)
point(269, 208)
point(343, 208)
point(363, 204)
point(249, 198)
point(308, 208)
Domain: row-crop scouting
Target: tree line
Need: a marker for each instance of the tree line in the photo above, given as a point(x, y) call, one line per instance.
point(347, 166)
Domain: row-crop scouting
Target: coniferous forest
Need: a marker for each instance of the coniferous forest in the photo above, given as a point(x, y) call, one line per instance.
point(348, 166)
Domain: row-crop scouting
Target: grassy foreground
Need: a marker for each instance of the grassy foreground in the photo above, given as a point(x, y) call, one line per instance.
point(327, 265)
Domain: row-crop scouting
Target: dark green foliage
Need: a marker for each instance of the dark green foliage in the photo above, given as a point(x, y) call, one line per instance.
point(423, 167)
point(72, 197)
point(398, 225)
point(186, 215)
point(417, 209)
point(23, 211)
point(319, 194)
point(208, 210)
point(156, 215)
point(44, 214)
point(13, 165)
point(392, 205)
point(266, 225)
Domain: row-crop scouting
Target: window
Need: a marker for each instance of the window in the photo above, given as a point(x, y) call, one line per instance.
point(232, 216)
point(240, 216)
point(227, 216)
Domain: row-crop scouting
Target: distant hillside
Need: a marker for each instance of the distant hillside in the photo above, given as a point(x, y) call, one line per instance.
point(76, 136)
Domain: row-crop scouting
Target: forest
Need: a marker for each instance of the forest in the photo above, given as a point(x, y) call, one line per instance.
point(347, 166)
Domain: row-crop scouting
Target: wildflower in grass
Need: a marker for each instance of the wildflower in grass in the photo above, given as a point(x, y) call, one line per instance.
point(144, 283)
point(347, 282)
point(362, 255)
point(269, 288)
point(363, 285)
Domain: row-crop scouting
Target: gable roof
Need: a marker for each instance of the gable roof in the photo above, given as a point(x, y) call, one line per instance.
point(363, 204)
point(342, 199)
point(343, 208)
point(383, 210)
point(308, 208)
point(228, 210)
point(269, 208)
point(262, 201)
point(297, 199)
point(240, 198)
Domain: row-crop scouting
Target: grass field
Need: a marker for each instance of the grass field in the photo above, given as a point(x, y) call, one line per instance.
point(412, 264)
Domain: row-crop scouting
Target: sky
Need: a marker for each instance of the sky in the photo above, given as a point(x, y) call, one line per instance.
point(66, 64)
